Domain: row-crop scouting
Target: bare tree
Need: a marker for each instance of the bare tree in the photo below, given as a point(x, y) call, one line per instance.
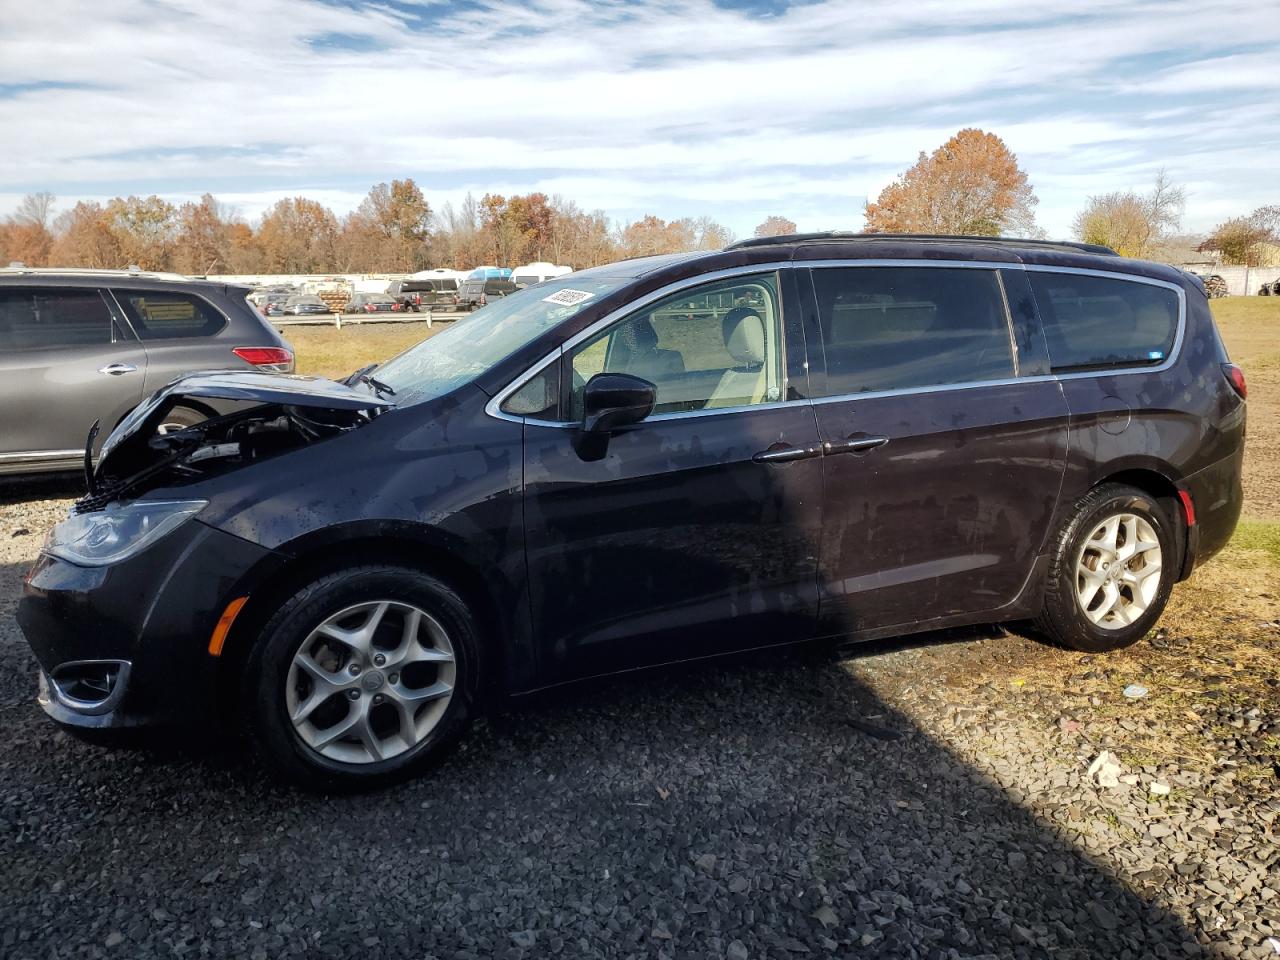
point(36, 210)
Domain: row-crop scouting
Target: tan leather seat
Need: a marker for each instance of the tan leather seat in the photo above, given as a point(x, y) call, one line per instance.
point(744, 339)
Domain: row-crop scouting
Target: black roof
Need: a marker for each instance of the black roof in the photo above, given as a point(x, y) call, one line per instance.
point(840, 235)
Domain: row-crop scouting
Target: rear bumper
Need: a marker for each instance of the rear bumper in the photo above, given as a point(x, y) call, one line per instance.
point(147, 620)
point(1218, 496)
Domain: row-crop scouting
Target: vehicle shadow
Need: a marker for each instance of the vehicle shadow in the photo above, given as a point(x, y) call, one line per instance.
point(770, 798)
point(43, 486)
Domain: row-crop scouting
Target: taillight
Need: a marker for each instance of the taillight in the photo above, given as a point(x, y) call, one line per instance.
point(483, 300)
point(267, 359)
point(1235, 376)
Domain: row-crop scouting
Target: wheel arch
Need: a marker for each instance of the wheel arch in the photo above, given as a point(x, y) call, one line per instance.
point(313, 556)
point(1161, 487)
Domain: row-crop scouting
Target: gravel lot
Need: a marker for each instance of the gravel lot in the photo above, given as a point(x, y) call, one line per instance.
point(914, 802)
point(928, 799)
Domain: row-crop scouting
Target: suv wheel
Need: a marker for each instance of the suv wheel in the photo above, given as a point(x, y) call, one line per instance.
point(179, 418)
point(362, 678)
point(1112, 570)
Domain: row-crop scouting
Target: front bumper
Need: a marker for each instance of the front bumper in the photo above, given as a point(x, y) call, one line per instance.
point(143, 624)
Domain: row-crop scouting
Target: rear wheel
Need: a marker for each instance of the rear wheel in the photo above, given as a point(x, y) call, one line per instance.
point(362, 678)
point(1112, 570)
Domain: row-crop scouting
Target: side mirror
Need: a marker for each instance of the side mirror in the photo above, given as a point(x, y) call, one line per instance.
point(613, 400)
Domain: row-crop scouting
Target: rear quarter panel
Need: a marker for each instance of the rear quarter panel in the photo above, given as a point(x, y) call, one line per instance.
point(1176, 422)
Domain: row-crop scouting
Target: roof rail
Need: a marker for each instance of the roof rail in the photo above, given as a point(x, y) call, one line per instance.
point(134, 272)
point(843, 235)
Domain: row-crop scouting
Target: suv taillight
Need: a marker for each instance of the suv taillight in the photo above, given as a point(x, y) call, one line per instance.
point(483, 300)
point(267, 359)
point(1235, 377)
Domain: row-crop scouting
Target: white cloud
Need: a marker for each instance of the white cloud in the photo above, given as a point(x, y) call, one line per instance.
point(654, 105)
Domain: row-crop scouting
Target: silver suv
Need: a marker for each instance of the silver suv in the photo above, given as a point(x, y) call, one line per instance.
point(83, 345)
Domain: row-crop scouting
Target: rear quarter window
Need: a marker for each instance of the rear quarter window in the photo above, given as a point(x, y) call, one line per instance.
point(1098, 322)
point(161, 315)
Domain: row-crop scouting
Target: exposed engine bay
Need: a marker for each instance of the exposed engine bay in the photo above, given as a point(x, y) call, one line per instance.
point(270, 416)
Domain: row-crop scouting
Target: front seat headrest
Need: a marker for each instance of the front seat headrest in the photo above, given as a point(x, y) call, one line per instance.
point(639, 336)
point(743, 331)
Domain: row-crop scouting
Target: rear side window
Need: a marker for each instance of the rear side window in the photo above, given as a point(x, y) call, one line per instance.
point(896, 328)
point(1099, 322)
point(160, 315)
point(48, 319)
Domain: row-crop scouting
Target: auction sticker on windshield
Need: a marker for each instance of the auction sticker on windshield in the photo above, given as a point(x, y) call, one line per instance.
point(568, 298)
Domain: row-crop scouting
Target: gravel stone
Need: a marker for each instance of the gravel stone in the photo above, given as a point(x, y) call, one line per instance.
point(724, 809)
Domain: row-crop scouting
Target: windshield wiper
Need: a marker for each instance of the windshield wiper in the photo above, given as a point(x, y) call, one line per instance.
point(378, 387)
point(353, 378)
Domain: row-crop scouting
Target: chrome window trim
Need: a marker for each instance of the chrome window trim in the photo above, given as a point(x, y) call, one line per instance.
point(492, 407)
point(1175, 351)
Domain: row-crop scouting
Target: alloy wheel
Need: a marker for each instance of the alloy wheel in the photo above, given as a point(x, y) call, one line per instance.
point(370, 682)
point(1118, 571)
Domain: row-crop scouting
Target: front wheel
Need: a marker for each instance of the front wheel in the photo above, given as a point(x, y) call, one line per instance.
point(362, 678)
point(1112, 570)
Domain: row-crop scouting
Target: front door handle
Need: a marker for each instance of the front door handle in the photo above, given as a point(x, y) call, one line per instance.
point(785, 453)
point(117, 369)
point(856, 444)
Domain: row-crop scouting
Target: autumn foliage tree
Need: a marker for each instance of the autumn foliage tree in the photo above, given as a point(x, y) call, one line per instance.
point(775, 226)
point(1242, 240)
point(393, 230)
point(25, 237)
point(970, 186)
point(1129, 223)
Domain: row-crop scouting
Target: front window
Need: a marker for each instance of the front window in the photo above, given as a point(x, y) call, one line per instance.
point(469, 348)
point(714, 346)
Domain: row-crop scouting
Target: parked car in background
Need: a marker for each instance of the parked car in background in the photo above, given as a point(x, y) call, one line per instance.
point(436, 294)
point(78, 346)
point(474, 294)
point(662, 459)
point(372, 303)
point(305, 304)
point(271, 304)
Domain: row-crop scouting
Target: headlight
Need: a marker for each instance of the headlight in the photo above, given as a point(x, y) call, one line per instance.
point(117, 533)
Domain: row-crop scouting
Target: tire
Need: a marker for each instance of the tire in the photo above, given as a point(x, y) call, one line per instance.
point(1123, 603)
point(274, 686)
point(180, 418)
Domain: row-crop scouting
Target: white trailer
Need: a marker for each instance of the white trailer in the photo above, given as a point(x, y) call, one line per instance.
point(536, 272)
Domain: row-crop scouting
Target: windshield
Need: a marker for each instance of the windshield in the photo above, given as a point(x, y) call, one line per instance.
point(467, 348)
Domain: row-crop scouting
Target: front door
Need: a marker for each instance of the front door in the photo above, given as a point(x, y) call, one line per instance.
point(697, 532)
point(942, 464)
point(64, 362)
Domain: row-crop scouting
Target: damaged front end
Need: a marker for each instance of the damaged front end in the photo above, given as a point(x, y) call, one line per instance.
point(260, 417)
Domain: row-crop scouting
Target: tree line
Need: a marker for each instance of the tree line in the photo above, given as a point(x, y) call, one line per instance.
point(971, 185)
point(393, 230)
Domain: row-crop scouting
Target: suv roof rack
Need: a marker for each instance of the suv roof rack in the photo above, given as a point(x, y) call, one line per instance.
point(839, 235)
point(128, 272)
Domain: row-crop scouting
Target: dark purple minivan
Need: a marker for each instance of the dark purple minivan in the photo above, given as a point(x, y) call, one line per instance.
point(656, 460)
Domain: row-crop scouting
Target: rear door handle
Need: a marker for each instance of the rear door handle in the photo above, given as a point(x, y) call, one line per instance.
point(786, 454)
point(116, 369)
point(859, 444)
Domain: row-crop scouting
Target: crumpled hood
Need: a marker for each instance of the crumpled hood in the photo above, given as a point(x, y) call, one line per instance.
point(129, 445)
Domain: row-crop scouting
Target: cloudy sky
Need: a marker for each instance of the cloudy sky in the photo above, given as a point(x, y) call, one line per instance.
point(675, 107)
